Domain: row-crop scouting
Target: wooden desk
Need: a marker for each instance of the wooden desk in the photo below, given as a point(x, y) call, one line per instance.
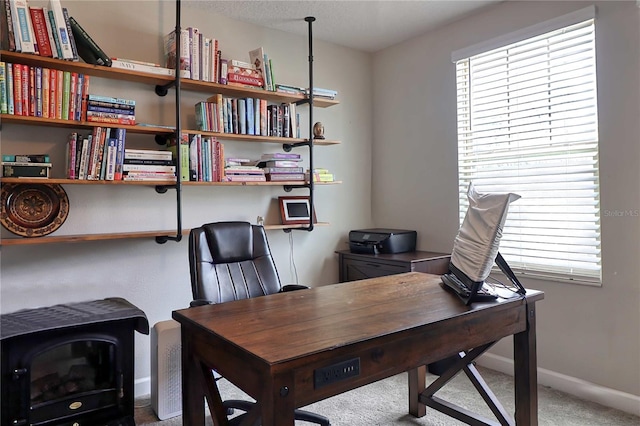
point(359, 266)
point(271, 346)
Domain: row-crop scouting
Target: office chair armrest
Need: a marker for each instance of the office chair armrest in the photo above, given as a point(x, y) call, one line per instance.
point(293, 287)
point(199, 302)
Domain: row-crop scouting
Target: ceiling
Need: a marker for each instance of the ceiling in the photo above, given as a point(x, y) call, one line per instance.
point(363, 25)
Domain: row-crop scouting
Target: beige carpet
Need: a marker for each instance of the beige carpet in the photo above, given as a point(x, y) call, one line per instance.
point(385, 403)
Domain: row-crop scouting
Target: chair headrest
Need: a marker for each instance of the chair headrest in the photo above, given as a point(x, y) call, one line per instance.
point(229, 242)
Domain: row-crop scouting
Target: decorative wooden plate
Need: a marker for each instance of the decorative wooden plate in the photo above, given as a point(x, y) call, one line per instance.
point(33, 210)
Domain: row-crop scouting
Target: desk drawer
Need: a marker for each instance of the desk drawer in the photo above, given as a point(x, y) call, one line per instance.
point(358, 266)
point(355, 269)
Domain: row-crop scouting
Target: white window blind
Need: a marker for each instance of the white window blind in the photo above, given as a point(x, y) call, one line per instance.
point(527, 123)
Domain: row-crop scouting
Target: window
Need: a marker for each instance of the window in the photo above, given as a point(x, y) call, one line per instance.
point(527, 123)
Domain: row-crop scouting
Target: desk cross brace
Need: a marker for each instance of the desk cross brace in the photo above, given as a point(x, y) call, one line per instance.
point(465, 363)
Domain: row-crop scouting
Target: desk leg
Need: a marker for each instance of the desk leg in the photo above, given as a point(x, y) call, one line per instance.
point(525, 371)
point(278, 402)
point(417, 384)
point(192, 391)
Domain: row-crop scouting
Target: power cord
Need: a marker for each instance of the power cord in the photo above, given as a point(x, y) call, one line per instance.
point(292, 260)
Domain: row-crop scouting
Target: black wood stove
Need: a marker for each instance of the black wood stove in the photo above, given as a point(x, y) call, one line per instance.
point(70, 364)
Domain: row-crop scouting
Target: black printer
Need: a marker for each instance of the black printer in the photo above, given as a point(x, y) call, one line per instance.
point(380, 240)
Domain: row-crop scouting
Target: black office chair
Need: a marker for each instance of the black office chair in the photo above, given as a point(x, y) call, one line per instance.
point(231, 261)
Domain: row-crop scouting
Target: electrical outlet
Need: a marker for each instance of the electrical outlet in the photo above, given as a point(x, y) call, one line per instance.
point(336, 372)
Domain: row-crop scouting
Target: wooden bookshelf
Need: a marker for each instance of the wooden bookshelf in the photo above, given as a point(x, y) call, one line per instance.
point(162, 84)
point(56, 239)
point(50, 181)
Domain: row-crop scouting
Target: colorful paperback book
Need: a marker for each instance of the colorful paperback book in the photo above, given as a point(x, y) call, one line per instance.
point(280, 156)
point(27, 158)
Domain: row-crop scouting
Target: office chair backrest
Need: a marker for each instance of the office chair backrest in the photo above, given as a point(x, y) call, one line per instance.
point(231, 261)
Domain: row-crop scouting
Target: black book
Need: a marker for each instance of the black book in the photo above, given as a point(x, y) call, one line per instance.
point(88, 49)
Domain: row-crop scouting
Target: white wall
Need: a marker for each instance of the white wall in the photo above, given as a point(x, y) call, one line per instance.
point(592, 334)
point(155, 277)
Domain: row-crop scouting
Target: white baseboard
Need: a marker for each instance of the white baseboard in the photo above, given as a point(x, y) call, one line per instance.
point(142, 387)
point(582, 389)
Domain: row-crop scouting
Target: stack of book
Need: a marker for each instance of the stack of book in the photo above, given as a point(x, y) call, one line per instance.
point(106, 109)
point(49, 32)
point(148, 165)
point(321, 175)
point(26, 165)
point(242, 173)
point(282, 166)
point(243, 74)
point(323, 93)
point(317, 91)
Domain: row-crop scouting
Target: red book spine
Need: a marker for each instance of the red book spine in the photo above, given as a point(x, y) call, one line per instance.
point(40, 31)
point(109, 120)
point(17, 89)
point(245, 79)
point(53, 92)
point(26, 94)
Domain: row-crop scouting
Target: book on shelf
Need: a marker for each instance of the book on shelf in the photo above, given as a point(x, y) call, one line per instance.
point(279, 177)
point(322, 93)
point(128, 167)
point(244, 178)
point(249, 72)
point(321, 175)
point(87, 48)
point(27, 163)
point(242, 64)
point(55, 53)
point(286, 88)
point(139, 67)
point(280, 156)
point(184, 155)
point(61, 29)
point(178, 55)
point(7, 33)
point(285, 170)
point(113, 110)
point(24, 25)
point(224, 70)
point(120, 135)
point(26, 158)
point(152, 162)
point(149, 177)
point(72, 40)
point(54, 36)
point(278, 163)
point(194, 52)
point(147, 154)
point(26, 170)
point(250, 170)
point(70, 165)
point(250, 119)
point(256, 58)
point(39, 23)
point(245, 80)
point(107, 118)
point(135, 61)
point(110, 99)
